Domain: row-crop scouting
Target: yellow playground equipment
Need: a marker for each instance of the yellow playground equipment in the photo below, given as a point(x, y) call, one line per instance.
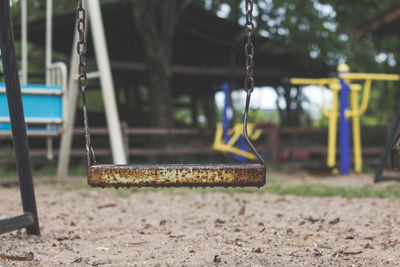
point(229, 145)
point(346, 86)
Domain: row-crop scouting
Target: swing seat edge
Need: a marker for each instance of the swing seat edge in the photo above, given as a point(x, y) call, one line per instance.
point(176, 175)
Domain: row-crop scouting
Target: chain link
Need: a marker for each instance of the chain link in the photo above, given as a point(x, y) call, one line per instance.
point(82, 77)
point(249, 79)
point(249, 47)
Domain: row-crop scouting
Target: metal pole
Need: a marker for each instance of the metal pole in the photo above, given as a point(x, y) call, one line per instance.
point(49, 37)
point(357, 150)
point(106, 80)
point(344, 129)
point(392, 133)
point(17, 119)
point(24, 42)
point(49, 80)
point(344, 121)
point(66, 138)
point(16, 223)
point(332, 130)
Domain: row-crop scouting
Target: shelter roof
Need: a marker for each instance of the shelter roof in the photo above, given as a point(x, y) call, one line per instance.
point(205, 46)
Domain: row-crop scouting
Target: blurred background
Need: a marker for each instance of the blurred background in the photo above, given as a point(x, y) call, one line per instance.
point(169, 60)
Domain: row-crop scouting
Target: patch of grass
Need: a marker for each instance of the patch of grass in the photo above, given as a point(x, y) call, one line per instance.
point(274, 186)
point(125, 192)
point(11, 172)
point(78, 186)
point(79, 170)
point(314, 190)
point(8, 172)
point(122, 192)
point(48, 170)
point(279, 187)
point(284, 187)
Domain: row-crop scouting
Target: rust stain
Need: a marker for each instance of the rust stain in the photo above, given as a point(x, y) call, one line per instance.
point(176, 175)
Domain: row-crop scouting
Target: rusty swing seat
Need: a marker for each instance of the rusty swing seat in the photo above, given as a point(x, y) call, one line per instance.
point(224, 175)
point(175, 175)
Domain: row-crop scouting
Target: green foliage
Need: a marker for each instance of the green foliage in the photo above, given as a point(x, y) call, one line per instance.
point(319, 34)
point(183, 116)
point(323, 121)
point(95, 100)
point(37, 8)
point(263, 115)
point(255, 115)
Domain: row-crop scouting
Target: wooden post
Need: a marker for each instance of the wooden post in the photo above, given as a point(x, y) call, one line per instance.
point(106, 81)
point(208, 104)
point(194, 112)
point(378, 175)
point(67, 135)
point(114, 127)
point(273, 144)
point(125, 135)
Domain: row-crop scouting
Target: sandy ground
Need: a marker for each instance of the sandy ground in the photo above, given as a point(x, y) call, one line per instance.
point(97, 227)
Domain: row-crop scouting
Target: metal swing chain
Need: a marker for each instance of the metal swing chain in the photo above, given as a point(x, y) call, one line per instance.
point(82, 78)
point(249, 79)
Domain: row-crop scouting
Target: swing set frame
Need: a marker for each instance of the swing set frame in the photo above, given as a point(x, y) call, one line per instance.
point(29, 218)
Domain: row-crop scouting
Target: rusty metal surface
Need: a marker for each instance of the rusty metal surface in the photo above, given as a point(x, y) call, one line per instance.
point(176, 175)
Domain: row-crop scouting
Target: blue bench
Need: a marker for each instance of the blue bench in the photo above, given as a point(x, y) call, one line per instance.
point(43, 110)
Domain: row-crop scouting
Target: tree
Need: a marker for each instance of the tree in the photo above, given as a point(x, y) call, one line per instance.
point(315, 32)
point(319, 34)
point(156, 23)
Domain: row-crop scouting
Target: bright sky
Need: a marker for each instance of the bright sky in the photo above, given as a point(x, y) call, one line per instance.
point(265, 98)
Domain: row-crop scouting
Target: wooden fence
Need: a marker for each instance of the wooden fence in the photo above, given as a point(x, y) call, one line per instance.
point(277, 144)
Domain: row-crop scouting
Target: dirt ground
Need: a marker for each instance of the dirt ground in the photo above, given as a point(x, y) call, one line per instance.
point(95, 227)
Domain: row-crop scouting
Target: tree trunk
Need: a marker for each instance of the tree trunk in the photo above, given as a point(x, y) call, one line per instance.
point(291, 115)
point(208, 103)
point(193, 111)
point(159, 86)
point(156, 23)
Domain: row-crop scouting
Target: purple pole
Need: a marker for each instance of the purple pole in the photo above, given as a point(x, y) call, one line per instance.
point(344, 129)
